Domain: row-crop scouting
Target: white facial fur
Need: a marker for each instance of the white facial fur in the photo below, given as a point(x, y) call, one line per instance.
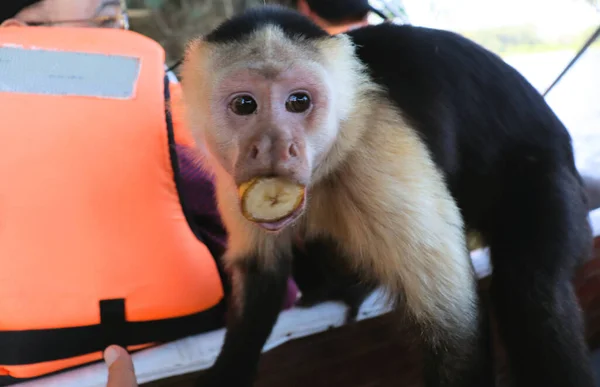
point(269, 67)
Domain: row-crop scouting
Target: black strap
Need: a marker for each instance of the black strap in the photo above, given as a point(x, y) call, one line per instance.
point(216, 251)
point(175, 65)
point(175, 159)
point(40, 345)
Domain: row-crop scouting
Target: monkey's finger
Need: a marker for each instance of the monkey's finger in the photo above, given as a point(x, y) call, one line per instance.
point(120, 367)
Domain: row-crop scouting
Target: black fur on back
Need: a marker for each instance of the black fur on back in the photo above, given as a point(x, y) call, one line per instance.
point(481, 119)
point(508, 161)
point(241, 26)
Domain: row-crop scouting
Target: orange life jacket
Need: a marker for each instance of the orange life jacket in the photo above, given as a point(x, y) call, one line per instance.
point(95, 243)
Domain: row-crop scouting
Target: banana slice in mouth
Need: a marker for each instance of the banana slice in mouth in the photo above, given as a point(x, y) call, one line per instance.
point(271, 202)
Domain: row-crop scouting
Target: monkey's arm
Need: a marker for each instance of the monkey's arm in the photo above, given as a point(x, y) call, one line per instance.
point(323, 274)
point(257, 296)
point(259, 273)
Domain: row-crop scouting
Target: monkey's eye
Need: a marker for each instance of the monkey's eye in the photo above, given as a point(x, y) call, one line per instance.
point(297, 103)
point(243, 105)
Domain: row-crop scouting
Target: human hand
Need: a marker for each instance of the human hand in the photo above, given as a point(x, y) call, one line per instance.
point(120, 367)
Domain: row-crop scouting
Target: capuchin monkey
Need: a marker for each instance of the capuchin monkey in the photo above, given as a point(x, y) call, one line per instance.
point(404, 138)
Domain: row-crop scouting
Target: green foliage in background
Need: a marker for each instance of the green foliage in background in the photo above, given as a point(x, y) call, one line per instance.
point(173, 22)
point(525, 39)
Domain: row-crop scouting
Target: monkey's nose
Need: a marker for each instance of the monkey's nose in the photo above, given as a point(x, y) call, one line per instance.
point(285, 151)
point(292, 150)
point(289, 151)
point(260, 149)
point(267, 156)
point(282, 151)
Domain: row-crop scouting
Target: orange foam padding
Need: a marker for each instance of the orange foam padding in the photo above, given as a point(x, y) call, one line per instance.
point(88, 207)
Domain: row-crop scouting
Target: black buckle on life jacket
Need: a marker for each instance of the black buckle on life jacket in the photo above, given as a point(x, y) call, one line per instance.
point(112, 319)
point(215, 251)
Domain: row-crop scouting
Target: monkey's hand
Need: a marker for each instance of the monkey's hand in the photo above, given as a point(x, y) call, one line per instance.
point(272, 202)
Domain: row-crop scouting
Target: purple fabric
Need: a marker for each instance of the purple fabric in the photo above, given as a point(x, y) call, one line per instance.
point(198, 193)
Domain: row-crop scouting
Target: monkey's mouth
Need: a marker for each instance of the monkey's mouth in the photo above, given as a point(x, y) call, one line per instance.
point(272, 202)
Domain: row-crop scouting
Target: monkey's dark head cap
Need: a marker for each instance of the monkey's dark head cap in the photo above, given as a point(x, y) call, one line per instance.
point(337, 10)
point(10, 8)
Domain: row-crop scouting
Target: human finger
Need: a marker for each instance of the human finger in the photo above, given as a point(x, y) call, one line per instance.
point(120, 367)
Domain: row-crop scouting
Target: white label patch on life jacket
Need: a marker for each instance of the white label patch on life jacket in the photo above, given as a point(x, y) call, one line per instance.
point(67, 73)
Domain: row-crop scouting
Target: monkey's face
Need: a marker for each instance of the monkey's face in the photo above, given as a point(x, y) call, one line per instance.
point(268, 106)
point(271, 121)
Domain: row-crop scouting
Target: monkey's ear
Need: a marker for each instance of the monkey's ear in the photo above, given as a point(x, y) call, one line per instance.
point(337, 47)
point(345, 40)
point(196, 64)
point(194, 48)
point(346, 74)
point(196, 84)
